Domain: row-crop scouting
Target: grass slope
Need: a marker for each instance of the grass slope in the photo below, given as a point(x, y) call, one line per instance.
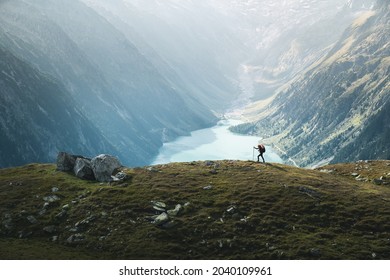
point(234, 210)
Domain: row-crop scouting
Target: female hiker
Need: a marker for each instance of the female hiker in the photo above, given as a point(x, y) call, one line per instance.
point(261, 149)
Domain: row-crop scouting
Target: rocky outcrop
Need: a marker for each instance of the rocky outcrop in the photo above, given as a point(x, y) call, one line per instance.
point(83, 169)
point(65, 161)
point(103, 168)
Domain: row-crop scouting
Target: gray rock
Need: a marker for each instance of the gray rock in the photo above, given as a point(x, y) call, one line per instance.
point(49, 229)
point(103, 167)
point(75, 238)
point(360, 178)
point(161, 219)
point(65, 161)
point(231, 210)
point(55, 189)
point(51, 198)
point(84, 223)
point(159, 209)
point(209, 187)
point(83, 169)
point(32, 219)
point(120, 176)
point(174, 212)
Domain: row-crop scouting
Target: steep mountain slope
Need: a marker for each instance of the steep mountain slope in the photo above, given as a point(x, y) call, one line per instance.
point(285, 37)
point(38, 118)
point(188, 37)
point(117, 88)
point(229, 210)
point(339, 101)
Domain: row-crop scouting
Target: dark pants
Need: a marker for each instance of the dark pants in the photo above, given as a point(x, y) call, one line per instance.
point(258, 157)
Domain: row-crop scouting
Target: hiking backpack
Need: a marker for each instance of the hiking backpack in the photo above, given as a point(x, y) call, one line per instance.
point(261, 148)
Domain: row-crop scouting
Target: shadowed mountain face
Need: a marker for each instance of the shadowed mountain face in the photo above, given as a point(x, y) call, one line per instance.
point(123, 94)
point(38, 117)
point(336, 109)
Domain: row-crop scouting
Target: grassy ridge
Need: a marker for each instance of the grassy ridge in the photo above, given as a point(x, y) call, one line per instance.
point(233, 210)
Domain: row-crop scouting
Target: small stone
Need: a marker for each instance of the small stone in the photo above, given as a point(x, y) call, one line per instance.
point(75, 238)
point(161, 219)
point(231, 209)
point(174, 212)
point(55, 189)
point(54, 238)
point(120, 176)
point(326, 170)
point(65, 207)
point(159, 209)
point(51, 198)
point(355, 174)
point(85, 222)
point(49, 229)
point(32, 219)
point(209, 187)
point(159, 204)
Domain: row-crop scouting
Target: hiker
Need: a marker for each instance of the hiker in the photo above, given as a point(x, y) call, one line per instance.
point(261, 149)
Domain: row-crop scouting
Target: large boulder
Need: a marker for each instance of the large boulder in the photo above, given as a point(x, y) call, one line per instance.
point(83, 169)
point(103, 167)
point(65, 161)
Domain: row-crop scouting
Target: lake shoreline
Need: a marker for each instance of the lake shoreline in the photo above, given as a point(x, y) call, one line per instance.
point(214, 143)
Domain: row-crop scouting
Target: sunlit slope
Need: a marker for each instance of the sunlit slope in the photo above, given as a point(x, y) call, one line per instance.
point(337, 109)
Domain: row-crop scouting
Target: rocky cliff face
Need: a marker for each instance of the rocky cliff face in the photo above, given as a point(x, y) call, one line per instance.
point(115, 87)
point(38, 117)
point(336, 109)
